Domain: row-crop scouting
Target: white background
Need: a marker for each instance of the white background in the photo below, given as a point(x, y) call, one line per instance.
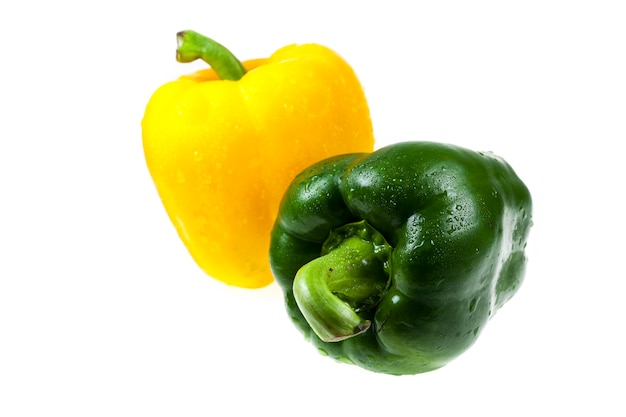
point(102, 311)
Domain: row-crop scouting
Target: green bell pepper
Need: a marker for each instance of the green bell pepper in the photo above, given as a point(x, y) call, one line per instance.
point(395, 260)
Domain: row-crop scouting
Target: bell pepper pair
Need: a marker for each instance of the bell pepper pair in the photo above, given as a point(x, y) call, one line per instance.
point(392, 260)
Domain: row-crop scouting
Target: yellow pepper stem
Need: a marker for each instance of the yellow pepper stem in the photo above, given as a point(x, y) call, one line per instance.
point(193, 46)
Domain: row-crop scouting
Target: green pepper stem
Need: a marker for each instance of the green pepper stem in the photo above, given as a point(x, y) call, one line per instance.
point(193, 46)
point(331, 290)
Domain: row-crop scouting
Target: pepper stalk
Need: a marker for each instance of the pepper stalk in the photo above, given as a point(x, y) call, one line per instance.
point(351, 276)
point(193, 46)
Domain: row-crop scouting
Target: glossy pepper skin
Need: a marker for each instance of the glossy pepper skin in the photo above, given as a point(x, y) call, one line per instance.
point(395, 260)
point(222, 148)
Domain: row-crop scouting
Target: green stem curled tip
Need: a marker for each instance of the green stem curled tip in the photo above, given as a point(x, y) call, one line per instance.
point(193, 46)
point(333, 289)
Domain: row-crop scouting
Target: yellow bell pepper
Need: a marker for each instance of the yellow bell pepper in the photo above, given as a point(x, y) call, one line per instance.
point(222, 145)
